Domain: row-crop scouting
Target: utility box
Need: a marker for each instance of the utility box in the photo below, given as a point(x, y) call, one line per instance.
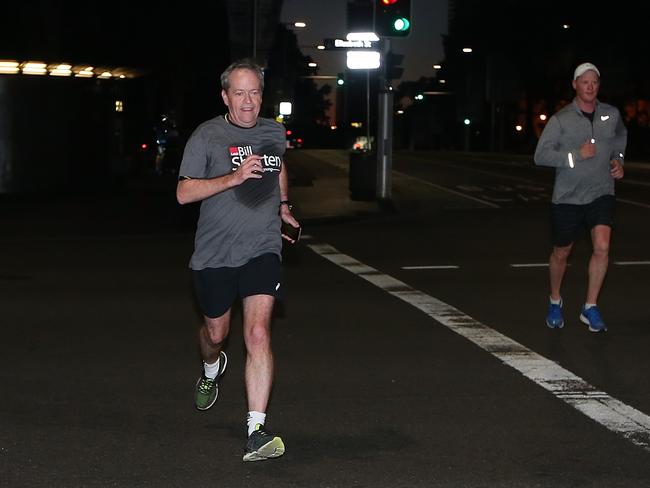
point(363, 175)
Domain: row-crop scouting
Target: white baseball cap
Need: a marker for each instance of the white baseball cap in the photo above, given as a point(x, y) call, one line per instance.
point(582, 68)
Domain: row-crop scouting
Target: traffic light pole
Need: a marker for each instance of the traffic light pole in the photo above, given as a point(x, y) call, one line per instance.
point(385, 132)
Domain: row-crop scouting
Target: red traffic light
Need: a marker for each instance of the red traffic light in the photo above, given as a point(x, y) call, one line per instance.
point(388, 2)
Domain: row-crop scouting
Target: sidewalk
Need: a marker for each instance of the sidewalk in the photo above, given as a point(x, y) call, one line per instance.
point(319, 189)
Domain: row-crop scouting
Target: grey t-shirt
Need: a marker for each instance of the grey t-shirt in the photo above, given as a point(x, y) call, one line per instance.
point(241, 223)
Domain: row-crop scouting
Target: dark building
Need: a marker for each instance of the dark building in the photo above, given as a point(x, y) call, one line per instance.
point(161, 62)
point(521, 63)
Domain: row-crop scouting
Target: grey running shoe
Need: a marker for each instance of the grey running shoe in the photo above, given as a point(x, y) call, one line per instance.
point(207, 389)
point(262, 445)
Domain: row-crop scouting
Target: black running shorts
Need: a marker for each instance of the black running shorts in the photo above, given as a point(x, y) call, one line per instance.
point(567, 220)
point(217, 288)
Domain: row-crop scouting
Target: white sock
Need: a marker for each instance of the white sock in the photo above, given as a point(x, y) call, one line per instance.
point(253, 418)
point(589, 305)
point(211, 370)
point(556, 302)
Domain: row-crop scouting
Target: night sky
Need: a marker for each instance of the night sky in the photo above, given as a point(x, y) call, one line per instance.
point(327, 19)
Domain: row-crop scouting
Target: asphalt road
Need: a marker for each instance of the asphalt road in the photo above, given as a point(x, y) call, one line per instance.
point(410, 351)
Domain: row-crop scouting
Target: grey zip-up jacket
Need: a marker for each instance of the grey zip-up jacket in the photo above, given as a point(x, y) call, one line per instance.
point(580, 181)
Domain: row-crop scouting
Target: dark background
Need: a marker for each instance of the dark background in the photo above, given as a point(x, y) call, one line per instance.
point(520, 68)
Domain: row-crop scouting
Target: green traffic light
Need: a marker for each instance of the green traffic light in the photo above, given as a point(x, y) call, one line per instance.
point(401, 24)
point(340, 81)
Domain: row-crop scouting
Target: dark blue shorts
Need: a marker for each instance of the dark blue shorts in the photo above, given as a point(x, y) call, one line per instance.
point(217, 288)
point(567, 220)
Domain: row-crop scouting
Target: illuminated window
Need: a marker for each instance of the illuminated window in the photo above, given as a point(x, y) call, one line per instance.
point(85, 73)
point(34, 68)
point(61, 70)
point(9, 67)
point(119, 106)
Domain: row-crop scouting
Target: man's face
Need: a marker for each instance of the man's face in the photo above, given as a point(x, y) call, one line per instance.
point(243, 98)
point(586, 86)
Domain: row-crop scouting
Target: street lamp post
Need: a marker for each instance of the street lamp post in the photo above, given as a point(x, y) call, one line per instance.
point(385, 133)
point(468, 99)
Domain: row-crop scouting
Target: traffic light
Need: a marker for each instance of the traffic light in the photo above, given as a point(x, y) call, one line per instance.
point(340, 79)
point(392, 18)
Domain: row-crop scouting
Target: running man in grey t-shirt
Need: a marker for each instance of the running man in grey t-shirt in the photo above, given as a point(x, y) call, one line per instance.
point(234, 166)
point(585, 143)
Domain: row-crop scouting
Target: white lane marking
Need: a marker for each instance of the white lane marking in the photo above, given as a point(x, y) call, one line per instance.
point(470, 188)
point(632, 202)
point(628, 181)
point(496, 173)
point(448, 190)
point(443, 266)
point(613, 414)
point(545, 265)
point(516, 265)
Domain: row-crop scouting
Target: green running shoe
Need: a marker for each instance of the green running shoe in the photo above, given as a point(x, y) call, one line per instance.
point(207, 389)
point(262, 445)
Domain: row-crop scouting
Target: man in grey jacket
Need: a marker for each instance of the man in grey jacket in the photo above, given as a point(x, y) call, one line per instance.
point(585, 143)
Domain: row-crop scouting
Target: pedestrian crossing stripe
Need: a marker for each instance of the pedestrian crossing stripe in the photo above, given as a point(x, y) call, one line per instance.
point(613, 414)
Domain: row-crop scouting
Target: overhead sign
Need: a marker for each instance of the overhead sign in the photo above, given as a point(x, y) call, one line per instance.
point(344, 44)
point(363, 59)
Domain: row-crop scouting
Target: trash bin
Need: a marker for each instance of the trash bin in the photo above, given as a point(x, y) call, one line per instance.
point(363, 175)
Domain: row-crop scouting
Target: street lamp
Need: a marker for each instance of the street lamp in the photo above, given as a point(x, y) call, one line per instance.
point(285, 108)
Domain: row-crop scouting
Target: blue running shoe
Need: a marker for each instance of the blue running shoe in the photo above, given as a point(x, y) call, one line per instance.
point(591, 317)
point(554, 317)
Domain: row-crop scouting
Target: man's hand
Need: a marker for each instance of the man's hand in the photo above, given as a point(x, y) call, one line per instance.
point(616, 170)
point(588, 149)
point(250, 168)
point(286, 216)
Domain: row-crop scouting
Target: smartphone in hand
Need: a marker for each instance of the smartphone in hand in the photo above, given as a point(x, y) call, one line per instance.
point(291, 231)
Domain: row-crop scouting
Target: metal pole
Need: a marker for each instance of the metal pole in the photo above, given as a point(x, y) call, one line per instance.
point(489, 95)
point(254, 29)
point(368, 110)
point(385, 132)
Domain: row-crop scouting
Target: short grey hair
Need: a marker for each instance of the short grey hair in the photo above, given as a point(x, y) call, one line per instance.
point(248, 64)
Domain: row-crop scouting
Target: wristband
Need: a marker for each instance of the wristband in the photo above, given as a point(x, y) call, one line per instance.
point(287, 203)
